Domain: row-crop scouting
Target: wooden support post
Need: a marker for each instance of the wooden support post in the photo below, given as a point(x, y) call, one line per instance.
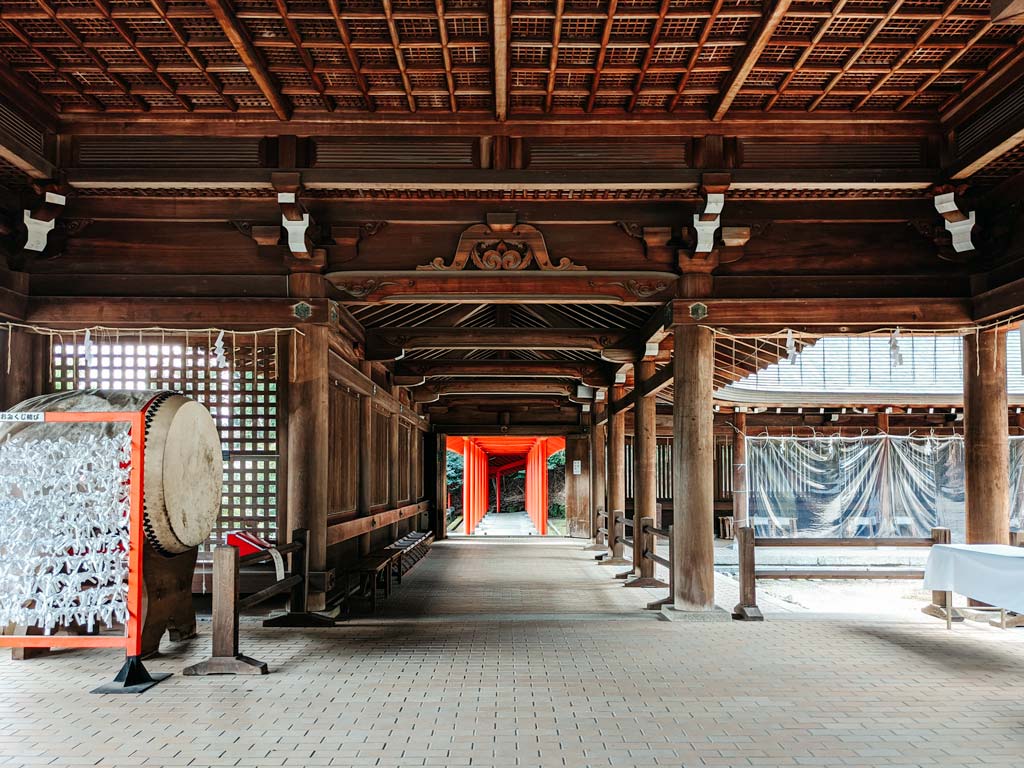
point(365, 496)
point(25, 379)
point(438, 483)
point(226, 660)
point(693, 469)
point(986, 439)
point(616, 481)
point(598, 475)
point(740, 508)
point(308, 447)
point(394, 470)
point(657, 605)
point(746, 609)
point(645, 482)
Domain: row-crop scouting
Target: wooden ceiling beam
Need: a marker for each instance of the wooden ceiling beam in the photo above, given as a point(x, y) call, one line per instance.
point(762, 35)
point(396, 45)
point(73, 37)
point(350, 52)
point(143, 55)
point(251, 57)
point(182, 39)
point(389, 343)
point(606, 36)
point(499, 24)
point(303, 54)
point(876, 126)
point(756, 316)
point(431, 393)
point(538, 369)
point(178, 312)
point(652, 43)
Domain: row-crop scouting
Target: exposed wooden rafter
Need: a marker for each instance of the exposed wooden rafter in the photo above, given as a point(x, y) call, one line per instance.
point(251, 57)
point(762, 35)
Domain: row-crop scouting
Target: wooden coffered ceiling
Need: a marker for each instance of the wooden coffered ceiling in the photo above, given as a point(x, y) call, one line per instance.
point(503, 57)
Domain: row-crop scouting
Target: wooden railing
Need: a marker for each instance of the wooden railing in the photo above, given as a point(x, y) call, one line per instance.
point(353, 528)
point(747, 544)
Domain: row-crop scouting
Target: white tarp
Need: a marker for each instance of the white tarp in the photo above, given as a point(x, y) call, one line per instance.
point(876, 485)
point(991, 573)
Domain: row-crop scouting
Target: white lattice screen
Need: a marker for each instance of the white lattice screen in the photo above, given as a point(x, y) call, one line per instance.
point(244, 398)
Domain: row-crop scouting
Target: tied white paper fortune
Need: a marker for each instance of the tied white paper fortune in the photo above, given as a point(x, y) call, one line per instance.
point(64, 511)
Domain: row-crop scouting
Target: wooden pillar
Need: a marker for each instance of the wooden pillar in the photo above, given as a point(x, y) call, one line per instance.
point(645, 481)
point(986, 439)
point(436, 481)
point(308, 407)
point(24, 376)
point(740, 506)
point(365, 497)
point(616, 480)
point(578, 513)
point(598, 476)
point(693, 469)
point(394, 471)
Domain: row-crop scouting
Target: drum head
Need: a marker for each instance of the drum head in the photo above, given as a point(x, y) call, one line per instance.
point(184, 474)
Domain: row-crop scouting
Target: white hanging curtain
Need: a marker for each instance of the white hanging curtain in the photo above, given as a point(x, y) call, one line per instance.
point(879, 485)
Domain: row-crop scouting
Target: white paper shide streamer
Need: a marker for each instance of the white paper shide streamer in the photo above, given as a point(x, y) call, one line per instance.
point(64, 511)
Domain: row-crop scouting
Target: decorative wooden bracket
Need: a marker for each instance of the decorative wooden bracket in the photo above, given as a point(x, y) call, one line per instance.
point(42, 219)
point(706, 223)
point(501, 244)
point(959, 223)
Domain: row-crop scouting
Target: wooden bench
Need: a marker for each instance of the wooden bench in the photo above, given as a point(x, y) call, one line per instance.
point(408, 551)
point(374, 572)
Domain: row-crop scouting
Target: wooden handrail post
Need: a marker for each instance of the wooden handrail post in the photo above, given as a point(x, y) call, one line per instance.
point(299, 614)
point(746, 609)
point(644, 541)
point(300, 564)
point(226, 660)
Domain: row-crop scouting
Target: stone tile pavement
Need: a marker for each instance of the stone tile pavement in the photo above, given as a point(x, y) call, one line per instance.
point(525, 653)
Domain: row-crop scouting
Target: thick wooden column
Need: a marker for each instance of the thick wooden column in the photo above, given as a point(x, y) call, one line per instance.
point(394, 471)
point(986, 439)
point(739, 471)
point(577, 487)
point(435, 466)
point(598, 475)
point(365, 496)
point(645, 480)
point(616, 480)
point(26, 352)
point(693, 469)
point(308, 407)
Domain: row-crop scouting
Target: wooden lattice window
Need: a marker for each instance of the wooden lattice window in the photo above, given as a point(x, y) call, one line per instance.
point(245, 399)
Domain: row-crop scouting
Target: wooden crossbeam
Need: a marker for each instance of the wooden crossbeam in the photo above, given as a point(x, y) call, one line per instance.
point(538, 369)
point(757, 315)
point(389, 343)
point(606, 35)
point(511, 386)
point(762, 35)
point(251, 57)
point(499, 23)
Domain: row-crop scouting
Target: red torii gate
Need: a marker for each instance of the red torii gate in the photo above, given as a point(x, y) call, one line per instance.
point(477, 473)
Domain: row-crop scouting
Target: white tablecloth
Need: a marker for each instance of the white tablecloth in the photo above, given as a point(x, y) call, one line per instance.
point(991, 573)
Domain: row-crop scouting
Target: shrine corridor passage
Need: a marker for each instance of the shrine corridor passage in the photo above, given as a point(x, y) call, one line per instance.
point(526, 653)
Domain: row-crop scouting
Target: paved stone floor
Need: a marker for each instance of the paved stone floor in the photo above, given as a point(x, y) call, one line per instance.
point(508, 652)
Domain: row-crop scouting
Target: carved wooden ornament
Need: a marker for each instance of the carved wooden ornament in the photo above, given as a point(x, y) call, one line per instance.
point(499, 249)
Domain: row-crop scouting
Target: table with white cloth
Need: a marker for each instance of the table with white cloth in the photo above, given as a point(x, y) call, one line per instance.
point(989, 573)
